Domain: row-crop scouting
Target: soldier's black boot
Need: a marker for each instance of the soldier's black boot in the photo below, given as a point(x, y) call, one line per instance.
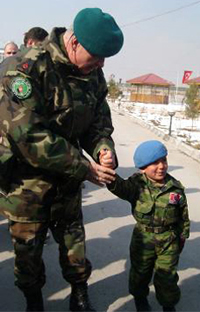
point(79, 300)
point(142, 304)
point(169, 309)
point(34, 301)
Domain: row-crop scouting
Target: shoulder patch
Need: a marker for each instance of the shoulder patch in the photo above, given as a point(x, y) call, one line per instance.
point(21, 87)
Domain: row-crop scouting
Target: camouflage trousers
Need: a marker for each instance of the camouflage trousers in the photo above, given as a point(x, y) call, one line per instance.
point(154, 255)
point(67, 229)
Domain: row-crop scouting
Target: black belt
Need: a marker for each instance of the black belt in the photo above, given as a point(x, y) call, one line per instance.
point(155, 229)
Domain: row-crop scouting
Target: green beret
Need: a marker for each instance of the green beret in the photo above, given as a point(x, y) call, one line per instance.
point(98, 32)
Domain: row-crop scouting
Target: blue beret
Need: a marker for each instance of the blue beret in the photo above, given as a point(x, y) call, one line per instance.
point(148, 152)
point(98, 32)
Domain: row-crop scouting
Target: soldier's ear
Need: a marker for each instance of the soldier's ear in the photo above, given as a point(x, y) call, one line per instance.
point(30, 42)
point(74, 43)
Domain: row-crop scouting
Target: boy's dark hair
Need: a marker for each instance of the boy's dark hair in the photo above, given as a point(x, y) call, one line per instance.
point(35, 33)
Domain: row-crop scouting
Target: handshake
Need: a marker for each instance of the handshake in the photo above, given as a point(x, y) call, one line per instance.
point(103, 173)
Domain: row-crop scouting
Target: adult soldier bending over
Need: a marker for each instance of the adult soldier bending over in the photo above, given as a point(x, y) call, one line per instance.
point(52, 102)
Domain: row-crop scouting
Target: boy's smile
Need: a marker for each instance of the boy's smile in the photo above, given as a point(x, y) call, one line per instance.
point(157, 170)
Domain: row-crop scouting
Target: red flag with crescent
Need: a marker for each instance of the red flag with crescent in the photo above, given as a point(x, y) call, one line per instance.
point(186, 75)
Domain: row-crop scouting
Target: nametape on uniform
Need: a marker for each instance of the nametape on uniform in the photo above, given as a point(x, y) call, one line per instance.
point(21, 87)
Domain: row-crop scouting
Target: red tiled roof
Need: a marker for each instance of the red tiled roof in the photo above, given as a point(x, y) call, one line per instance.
point(193, 80)
point(150, 79)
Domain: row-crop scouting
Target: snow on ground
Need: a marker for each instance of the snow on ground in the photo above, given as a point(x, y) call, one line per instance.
point(158, 116)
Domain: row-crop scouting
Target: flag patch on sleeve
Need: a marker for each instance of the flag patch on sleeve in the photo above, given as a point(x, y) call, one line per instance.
point(174, 198)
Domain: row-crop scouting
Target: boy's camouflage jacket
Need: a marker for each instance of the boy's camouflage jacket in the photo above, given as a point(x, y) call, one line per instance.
point(153, 206)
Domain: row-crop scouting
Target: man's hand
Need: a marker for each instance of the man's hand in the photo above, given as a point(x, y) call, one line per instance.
point(107, 159)
point(100, 175)
point(181, 243)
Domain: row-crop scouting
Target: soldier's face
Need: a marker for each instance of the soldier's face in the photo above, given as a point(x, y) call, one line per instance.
point(10, 50)
point(87, 62)
point(157, 170)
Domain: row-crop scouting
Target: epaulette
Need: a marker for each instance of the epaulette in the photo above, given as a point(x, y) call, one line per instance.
point(25, 66)
point(137, 176)
point(178, 184)
point(174, 181)
point(29, 58)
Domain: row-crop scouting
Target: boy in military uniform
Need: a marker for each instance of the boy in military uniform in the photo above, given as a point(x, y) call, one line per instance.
point(159, 207)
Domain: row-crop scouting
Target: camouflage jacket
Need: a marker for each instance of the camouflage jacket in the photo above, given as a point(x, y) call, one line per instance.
point(48, 109)
point(152, 205)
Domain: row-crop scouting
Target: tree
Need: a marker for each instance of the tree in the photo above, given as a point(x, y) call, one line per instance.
point(192, 101)
point(114, 90)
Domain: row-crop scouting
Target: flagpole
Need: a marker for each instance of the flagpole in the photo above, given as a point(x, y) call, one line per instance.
point(177, 79)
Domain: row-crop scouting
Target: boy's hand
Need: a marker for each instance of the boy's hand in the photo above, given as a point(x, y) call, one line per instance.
point(107, 159)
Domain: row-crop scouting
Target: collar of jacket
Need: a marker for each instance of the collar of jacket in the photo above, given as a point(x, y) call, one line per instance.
point(169, 182)
point(55, 45)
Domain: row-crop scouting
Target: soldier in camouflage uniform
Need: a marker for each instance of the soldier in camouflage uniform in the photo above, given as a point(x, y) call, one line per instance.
point(159, 207)
point(34, 36)
point(10, 49)
point(52, 103)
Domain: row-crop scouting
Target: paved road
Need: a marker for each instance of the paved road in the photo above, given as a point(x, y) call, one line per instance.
point(109, 225)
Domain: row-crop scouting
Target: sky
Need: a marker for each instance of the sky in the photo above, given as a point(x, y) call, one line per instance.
point(160, 37)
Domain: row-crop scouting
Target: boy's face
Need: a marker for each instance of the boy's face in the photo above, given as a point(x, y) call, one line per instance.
point(157, 170)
